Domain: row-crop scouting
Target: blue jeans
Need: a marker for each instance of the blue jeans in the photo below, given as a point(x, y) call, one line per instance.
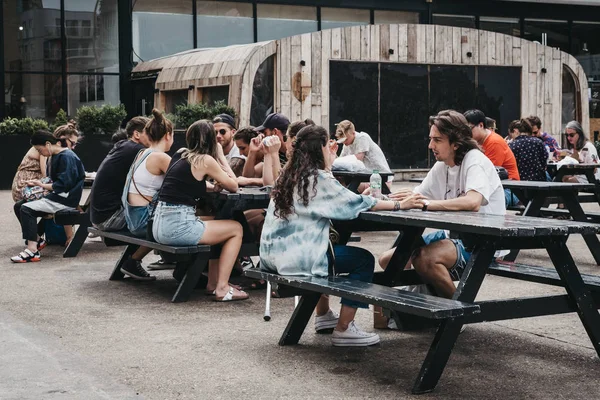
point(510, 199)
point(358, 263)
point(177, 225)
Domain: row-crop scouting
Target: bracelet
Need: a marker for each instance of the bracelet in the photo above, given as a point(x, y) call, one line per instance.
point(397, 206)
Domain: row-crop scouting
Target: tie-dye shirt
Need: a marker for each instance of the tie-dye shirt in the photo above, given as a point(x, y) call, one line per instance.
point(298, 246)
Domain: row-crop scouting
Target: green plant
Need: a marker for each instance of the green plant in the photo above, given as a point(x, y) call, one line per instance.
point(105, 119)
point(187, 114)
point(23, 126)
point(61, 119)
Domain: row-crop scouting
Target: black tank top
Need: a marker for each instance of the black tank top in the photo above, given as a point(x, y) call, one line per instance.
point(180, 186)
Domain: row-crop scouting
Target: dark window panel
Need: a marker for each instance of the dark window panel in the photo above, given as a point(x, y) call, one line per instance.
point(262, 92)
point(32, 95)
point(404, 115)
point(499, 95)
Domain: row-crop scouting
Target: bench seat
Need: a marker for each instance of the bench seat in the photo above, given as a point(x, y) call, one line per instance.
point(68, 217)
point(531, 273)
point(190, 265)
point(419, 304)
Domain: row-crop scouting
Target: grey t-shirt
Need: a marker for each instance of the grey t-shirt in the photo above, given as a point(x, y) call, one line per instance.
point(374, 158)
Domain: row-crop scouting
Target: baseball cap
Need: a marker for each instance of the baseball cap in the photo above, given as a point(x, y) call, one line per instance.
point(225, 118)
point(274, 120)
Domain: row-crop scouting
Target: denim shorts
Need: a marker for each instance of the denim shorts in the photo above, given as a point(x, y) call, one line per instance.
point(137, 218)
point(462, 255)
point(177, 225)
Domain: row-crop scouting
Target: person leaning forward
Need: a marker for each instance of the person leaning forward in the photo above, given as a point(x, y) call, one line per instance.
point(463, 179)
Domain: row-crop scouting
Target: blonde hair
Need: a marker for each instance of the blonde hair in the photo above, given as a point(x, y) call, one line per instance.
point(344, 127)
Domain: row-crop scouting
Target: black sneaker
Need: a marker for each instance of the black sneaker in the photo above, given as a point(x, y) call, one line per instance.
point(134, 269)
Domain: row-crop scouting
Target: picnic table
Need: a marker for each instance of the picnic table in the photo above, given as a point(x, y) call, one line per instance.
point(572, 169)
point(488, 233)
point(537, 194)
point(352, 180)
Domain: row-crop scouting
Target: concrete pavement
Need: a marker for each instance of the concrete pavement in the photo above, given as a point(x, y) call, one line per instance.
point(66, 332)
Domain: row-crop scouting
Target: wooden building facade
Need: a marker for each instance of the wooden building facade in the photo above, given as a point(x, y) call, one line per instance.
point(385, 78)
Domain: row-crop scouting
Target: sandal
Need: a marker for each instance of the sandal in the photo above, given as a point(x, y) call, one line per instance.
point(213, 292)
point(256, 285)
point(231, 297)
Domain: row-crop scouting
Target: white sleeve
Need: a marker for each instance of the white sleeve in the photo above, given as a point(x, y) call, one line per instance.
point(478, 180)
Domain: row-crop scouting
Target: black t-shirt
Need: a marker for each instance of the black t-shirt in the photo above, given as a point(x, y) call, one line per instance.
point(180, 185)
point(105, 198)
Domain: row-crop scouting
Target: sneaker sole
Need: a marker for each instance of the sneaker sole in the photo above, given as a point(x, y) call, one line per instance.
point(136, 277)
point(326, 326)
point(159, 267)
point(26, 261)
point(355, 342)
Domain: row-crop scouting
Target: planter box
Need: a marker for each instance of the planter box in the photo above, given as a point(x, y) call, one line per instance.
point(91, 149)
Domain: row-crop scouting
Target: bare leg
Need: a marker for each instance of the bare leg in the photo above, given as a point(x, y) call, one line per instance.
point(346, 316)
point(68, 233)
point(385, 258)
point(140, 253)
point(323, 305)
point(230, 234)
point(432, 263)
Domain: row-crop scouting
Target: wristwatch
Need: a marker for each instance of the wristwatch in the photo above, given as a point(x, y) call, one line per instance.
point(425, 205)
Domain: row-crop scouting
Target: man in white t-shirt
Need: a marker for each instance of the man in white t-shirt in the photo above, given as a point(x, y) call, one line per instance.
point(225, 129)
point(463, 179)
point(362, 146)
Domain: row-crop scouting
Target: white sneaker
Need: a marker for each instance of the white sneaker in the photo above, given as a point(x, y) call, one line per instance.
point(326, 322)
point(353, 336)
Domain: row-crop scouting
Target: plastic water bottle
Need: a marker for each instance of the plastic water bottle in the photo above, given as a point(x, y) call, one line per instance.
point(375, 182)
point(548, 152)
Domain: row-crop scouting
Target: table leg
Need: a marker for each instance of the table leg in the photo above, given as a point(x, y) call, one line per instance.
point(117, 275)
point(578, 214)
point(297, 323)
point(407, 240)
point(448, 331)
point(190, 279)
point(353, 185)
point(79, 237)
point(576, 289)
point(533, 209)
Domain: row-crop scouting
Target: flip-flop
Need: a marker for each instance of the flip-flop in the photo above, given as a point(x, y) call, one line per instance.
point(231, 297)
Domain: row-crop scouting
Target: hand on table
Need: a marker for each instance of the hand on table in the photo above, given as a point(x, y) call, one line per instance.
point(415, 200)
point(401, 194)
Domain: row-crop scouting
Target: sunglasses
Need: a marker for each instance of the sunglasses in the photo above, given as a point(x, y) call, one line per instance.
point(221, 132)
point(570, 134)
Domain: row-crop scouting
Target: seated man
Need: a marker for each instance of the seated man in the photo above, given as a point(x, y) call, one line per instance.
point(363, 147)
point(225, 128)
point(530, 153)
point(106, 208)
point(252, 171)
point(463, 179)
point(547, 140)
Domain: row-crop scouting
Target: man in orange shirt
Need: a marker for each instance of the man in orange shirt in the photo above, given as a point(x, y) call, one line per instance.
point(493, 145)
point(495, 148)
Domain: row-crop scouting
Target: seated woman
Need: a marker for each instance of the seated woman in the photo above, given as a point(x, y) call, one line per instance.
point(67, 174)
point(175, 220)
point(304, 200)
point(146, 176)
point(583, 150)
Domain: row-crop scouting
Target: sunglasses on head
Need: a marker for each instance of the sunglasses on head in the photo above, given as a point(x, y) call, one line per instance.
point(221, 132)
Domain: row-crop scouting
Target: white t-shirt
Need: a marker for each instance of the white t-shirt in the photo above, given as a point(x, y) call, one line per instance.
point(588, 155)
point(374, 158)
point(476, 172)
point(234, 153)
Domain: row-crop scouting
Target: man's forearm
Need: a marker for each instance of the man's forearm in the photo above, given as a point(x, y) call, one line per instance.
point(248, 170)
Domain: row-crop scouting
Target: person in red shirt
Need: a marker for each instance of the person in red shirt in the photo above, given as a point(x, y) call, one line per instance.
point(492, 144)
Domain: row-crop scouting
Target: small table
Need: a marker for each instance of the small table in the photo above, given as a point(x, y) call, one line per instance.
point(535, 194)
point(354, 179)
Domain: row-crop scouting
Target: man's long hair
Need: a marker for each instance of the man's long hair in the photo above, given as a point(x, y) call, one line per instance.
point(453, 124)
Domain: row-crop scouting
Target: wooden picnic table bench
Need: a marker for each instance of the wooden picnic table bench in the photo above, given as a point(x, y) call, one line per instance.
point(537, 194)
point(486, 234)
point(354, 179)
point(572, 169)
point(192, 260)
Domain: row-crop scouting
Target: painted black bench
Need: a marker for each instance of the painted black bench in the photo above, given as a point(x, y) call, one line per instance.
point(531, 273)
point(74, 217)
point(311, 288)
point(191, 260)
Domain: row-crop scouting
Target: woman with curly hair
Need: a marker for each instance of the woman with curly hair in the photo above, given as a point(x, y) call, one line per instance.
point(304, 200)
point(175, 220)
